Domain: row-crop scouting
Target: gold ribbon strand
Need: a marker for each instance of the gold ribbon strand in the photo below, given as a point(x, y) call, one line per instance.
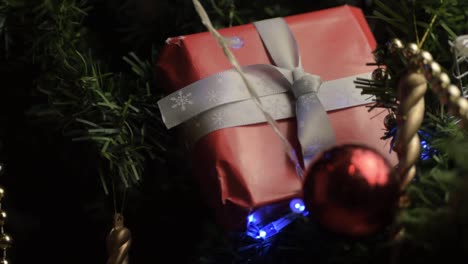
point(119, 238)
point(118, 242)
point(410, 114)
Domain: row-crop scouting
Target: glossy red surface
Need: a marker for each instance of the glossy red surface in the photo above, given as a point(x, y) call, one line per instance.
point(351, 190)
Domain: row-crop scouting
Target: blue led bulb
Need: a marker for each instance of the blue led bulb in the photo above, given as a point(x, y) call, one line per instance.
point(262, 234)
point(251, 219)
point(257, 230)
point(297, 205)
point(267, 231)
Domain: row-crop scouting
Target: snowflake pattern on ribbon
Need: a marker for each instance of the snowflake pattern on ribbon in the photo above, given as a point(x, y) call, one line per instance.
point(212, 96)
point(181, 100)
point(218, 118)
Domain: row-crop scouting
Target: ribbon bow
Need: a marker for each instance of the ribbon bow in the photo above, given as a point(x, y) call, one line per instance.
point(285, 90)
point(314, 129)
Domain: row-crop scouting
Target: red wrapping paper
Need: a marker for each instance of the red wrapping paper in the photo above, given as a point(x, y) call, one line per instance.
point(243, 168)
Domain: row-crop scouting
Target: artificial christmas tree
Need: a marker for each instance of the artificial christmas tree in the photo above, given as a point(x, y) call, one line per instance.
point(65, 61)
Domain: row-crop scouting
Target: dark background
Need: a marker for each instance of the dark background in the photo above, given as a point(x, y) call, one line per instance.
point(57, 210)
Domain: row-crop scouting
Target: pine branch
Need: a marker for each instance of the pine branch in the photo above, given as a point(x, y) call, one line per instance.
point(114, 112)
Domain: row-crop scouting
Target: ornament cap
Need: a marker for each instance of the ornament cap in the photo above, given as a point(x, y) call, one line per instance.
point(118, 220)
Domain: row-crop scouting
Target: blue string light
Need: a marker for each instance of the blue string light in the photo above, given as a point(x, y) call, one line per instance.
point(258, 231)
point(261, 231)
point(427, 151)
point(297, 205)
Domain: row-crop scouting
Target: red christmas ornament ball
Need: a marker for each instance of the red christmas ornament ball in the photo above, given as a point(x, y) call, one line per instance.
point(351, 190)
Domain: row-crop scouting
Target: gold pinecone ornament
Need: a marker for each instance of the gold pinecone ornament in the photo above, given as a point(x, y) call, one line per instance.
point(118, 242)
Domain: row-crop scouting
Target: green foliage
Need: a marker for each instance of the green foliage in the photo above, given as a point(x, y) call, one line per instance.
point(118, 114)
point(430, 24)
point(431, 222)
point(115, 112)
point(14, 25)
point(227, 13)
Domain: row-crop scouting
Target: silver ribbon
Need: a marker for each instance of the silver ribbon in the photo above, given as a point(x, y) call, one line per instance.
point(285, 90)
point(314, 129)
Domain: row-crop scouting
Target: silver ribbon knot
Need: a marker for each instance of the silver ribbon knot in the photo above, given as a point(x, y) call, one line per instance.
point(285, 90)
point(314, 130)
point(304, 83)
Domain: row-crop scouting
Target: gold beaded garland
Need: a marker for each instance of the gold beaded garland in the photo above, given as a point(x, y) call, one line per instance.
point(424, 58)
point(460, 107)
point(432, 71)
point(422, 61)
point(441, 84)
point(411, 50)
point(5, 241)
point(3, 217)
point(450, 95)
point(394, 45)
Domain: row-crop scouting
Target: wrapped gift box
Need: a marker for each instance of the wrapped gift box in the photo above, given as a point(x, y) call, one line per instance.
point(245, 167)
